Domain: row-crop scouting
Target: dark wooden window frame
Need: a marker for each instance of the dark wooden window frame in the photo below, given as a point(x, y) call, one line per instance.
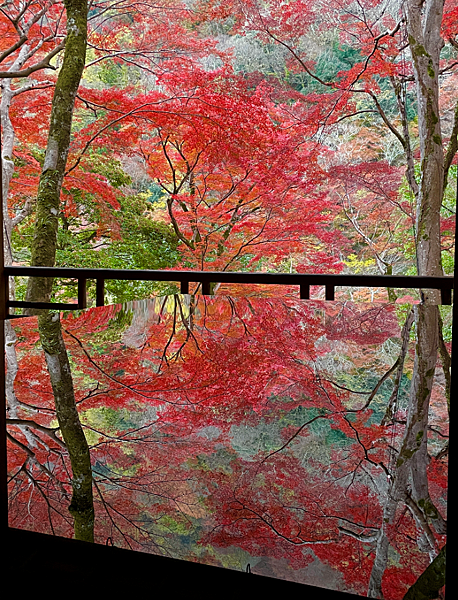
point(206, 278)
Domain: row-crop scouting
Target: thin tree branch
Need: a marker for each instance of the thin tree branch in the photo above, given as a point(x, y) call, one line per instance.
point(43, 64)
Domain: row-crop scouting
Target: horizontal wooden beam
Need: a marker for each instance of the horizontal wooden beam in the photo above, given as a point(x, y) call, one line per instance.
point(49, 305)
point(336, 280)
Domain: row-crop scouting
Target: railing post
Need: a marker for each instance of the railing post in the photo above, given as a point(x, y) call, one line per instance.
point(5, 295)
point(206, 286)
point(184, 287)
point(446, 296)
point(304, 291)
point(100, 292)
point(82, 297)
point(329, 292)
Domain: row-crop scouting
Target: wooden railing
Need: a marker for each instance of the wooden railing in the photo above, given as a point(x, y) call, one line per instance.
point(206, 278)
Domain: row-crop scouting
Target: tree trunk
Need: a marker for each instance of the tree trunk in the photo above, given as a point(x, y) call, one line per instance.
point(423, 27)
point(44, 253)
point(409, 481)
point(412, 462)
point(48, 200)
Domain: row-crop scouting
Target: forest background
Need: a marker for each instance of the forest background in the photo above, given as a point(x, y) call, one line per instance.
point(278, 136)
point(225, 139)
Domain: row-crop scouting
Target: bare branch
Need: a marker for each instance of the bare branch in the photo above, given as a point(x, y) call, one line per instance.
point(23, 214)
point(33, 425)
point(21, 41)
point(401, 101)
point(452, 147)
point(33, 85)
point(43, 64)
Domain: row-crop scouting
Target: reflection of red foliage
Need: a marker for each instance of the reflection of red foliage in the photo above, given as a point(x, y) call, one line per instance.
point(183, 379)
point(363, 325)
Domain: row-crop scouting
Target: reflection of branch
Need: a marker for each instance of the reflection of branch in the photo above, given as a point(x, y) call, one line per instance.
point(131, 388)
point(142, 531)
point(32, 424)
point(361, 537)
point(421, 520)
point(13, 48)
point(376, 388)
point(27, 406)
point(105, 506)
point(358, 112)
point(342, 387)
point(45, 498)
point(267, 521)
point(99, 368)
point(33, 85)
point(33, 459)
point(366, 455)
point(293, 436)
point(443, 451)
point(20, 444)
point(400, 364)
point(169, 341)
point(189, 331)
point(446, 361)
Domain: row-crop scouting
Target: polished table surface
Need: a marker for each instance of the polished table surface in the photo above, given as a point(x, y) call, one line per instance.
point(250, 433)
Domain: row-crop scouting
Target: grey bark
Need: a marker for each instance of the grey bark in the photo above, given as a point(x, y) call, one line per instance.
point(409, 483)
point(423, 27)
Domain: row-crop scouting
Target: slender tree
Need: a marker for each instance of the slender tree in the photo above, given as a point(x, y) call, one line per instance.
point(43, 254)
point(423, 20)
point(53, 170)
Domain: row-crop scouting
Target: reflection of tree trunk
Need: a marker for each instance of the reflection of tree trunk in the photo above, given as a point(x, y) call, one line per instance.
point(430, 581)
point(389, 413)
point(82, 506)
point(12, 402)
point(414, 447)
point(409, 478)
point(409, 482)
point(446, 361)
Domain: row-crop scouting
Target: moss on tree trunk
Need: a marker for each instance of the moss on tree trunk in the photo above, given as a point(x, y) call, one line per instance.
point(409, 481)
point(430, 581)
point(43, 250)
